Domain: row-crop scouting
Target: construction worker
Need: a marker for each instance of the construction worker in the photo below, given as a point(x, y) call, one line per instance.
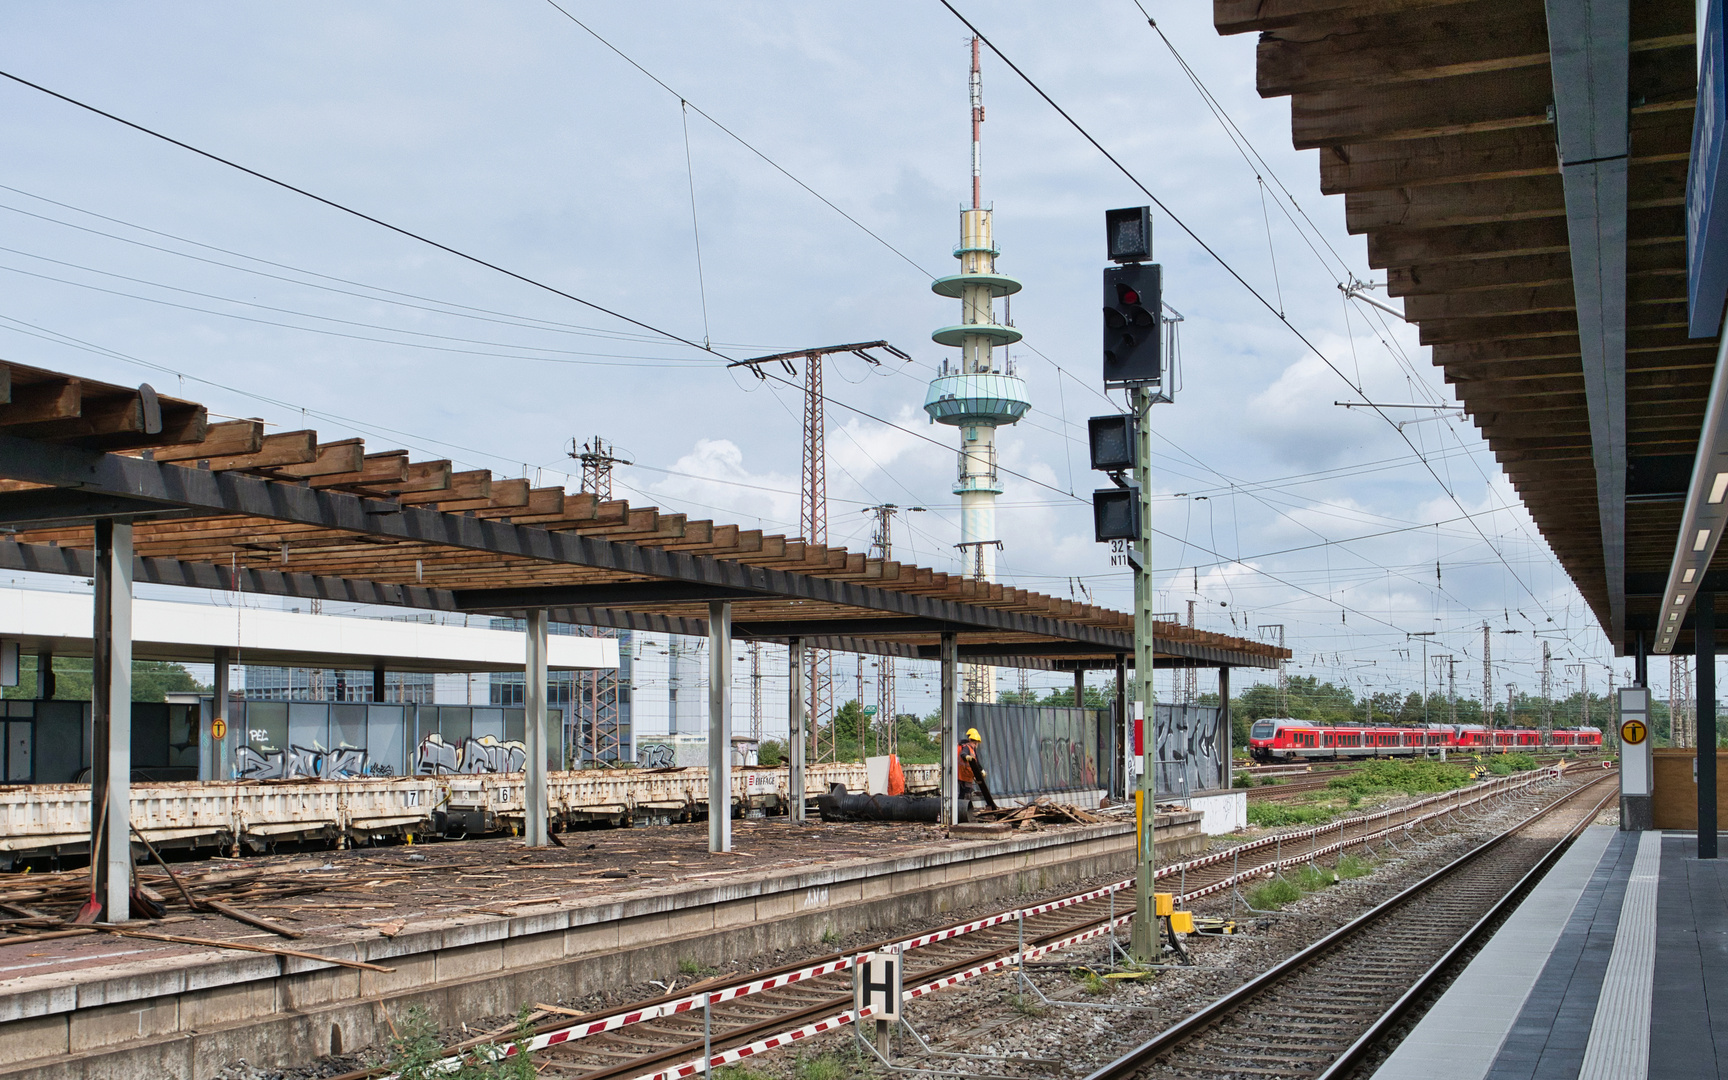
point(972, 771)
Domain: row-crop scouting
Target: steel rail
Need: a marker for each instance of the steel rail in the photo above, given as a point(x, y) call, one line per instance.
point(733, 1044)
point(1377, 1031)
point(1283, 849)
point(1147, 1053)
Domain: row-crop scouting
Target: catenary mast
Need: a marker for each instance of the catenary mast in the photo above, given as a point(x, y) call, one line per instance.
point(978, 395)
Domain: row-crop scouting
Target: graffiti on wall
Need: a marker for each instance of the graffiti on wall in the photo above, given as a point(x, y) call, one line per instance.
point(656, 755)
point(305, 763)
point(1032, 750)
point(1186, 744)
point(435, 757)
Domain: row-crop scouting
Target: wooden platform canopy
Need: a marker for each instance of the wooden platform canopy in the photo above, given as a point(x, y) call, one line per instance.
point(226, 506)
point(122, 485)
point(1520, 171)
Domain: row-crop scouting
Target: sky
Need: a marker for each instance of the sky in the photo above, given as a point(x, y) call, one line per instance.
point(767, 177)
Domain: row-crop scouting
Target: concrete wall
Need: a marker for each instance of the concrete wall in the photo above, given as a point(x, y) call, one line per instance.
point(185, 1020)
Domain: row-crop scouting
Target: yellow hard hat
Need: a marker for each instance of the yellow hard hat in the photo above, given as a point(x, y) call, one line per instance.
point(973, 736)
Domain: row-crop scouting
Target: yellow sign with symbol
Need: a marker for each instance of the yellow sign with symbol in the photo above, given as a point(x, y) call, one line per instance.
point(218, 728)
point(1634, 732)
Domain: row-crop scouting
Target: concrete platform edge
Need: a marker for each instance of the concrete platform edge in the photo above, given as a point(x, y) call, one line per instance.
point(187, 1021)
point(1461, 1035)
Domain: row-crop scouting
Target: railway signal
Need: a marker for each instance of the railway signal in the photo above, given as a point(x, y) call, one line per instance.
point(1120, 446)
point(1133, 331)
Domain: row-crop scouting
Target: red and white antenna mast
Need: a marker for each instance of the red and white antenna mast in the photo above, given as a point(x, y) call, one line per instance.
point(977, 86)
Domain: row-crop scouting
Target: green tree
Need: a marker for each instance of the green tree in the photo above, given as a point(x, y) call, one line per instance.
point(152, 680)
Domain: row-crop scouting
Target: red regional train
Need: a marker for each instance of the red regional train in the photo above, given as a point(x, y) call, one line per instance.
point(1281, 738)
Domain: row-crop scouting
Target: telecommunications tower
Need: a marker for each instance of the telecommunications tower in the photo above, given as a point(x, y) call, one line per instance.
point(977, 395)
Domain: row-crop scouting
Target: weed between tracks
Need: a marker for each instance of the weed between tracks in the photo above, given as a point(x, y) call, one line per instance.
point(1293, 885)
point(1279, 815)
point(1374, 778)
point(417, 1050)
point(1507, 764)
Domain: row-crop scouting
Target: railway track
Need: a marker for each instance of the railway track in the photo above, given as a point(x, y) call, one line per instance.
point(664, 1037)
point(1318, 1013)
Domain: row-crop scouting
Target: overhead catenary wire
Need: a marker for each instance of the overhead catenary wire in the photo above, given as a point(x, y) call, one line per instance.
point(695, 228)
point(1232, 271)
point(387, 225)
point(362, 215)
point(1259, 165)
point(412, 235)
point(741, 141)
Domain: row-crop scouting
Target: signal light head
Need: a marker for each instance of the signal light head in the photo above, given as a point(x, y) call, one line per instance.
point(1126, 295)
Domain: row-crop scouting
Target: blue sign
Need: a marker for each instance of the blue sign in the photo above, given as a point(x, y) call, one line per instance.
point(1707, 186)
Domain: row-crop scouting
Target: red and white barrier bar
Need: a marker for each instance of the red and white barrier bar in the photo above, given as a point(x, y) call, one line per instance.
point(851, 1016)
point(583, 1029)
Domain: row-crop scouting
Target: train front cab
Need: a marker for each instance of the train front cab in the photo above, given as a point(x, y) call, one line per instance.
point(1282, 739)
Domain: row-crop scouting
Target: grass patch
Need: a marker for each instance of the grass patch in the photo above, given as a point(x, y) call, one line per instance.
point(1268, 781)
point(1312, 878)
point(830, 1066)
point(1025, 1005)
point(1242, 779)
point(1281, 813)
point(1352, 866)
point(1273, 895)
point(1408, 777)
point(740, 1072)
point(1090, 981)
point(830, 936)
point(1507, 764)
point(417, 1049)
point(693, 968)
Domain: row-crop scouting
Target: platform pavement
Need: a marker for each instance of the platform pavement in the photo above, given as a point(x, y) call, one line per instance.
point(1615, 967)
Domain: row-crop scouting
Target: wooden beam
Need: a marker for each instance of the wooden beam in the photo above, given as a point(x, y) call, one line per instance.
point(227, 439)
point(1659, 259)
point(1661, 183)
point(1396, 247)
point(331, 458)
point(56, 399)
point(1388, 47)
point(1661, 79)
point(284, 448)
point(1242, 16)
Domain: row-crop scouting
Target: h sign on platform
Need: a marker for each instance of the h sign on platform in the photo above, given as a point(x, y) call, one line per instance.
point(877, 985)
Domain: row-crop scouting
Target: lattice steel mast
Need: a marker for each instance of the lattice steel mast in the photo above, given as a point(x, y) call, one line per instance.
point(882, 547)
point(599, 735)
point(813, 512)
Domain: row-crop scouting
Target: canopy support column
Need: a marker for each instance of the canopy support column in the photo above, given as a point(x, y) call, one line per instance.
point(44, 673)
point(795, 730)
point(1704, 633)
point(1226, 731)
point(534, 802)
point(951, 810)
point(215, 764)
point(111, 717)
point(720, 725)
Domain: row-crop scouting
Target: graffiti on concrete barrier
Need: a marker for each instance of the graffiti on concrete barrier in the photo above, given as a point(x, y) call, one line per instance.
point(656, 755)
point(1036, 749)
point(435, 757)
point(302, 763)
point(1186, 745)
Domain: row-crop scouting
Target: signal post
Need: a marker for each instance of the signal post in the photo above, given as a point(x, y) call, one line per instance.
point(1121, 446)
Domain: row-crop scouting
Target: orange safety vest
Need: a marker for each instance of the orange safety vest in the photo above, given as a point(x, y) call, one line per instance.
point(966, 760)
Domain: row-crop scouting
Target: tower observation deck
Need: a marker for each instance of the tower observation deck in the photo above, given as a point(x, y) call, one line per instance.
point(977, 395)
